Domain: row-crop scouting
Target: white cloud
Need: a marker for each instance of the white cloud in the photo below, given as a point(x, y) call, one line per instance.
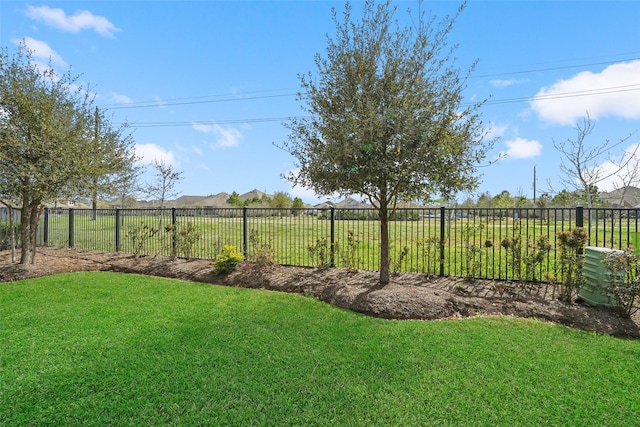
point(159, 101)
point(521, 148)
point(612, 176)
point(307, 194)
point(506, 83)
point(613, 92)
point(148, 153)
point(225, 137)
point(80, 20)
point(121, 99)
point(41, 52)
point(201, 128)
point(229, 137)
point(495, 131)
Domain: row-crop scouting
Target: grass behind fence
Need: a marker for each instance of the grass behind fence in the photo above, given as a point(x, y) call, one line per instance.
point(474, 244)
point(112, 349)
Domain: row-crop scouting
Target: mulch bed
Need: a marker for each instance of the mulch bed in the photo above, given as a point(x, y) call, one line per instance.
point(408, 296)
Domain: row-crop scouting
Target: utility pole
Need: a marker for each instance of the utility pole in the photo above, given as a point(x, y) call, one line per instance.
point(94, 190)
point(534, 185)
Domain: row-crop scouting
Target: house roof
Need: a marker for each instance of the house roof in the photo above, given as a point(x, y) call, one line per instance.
point(253, 194)
point(628, 196)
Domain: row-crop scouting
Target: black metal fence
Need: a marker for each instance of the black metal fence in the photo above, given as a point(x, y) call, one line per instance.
point(470, 242)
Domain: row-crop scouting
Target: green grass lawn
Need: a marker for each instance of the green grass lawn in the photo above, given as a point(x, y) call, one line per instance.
point(115, 349)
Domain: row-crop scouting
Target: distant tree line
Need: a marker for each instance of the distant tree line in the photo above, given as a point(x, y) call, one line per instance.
point(279, 200)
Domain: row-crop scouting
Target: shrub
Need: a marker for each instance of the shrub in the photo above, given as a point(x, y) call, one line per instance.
point(396, 265)
point(185, 238)
point(429, 254)
point(227, 260)
point(262, 257)
point(473, 252)
point(320, 252)
point(571, 246)
point(140, 236)
point(624, 267)
point(5, 234)
point(350, 254)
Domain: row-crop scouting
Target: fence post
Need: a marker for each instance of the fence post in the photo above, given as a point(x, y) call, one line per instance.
point(579, 222)
point(579, 216)
point(174, 234)
point(333, 236)
point(118, 241)
point(45, 236)
point(245, 232)
point(442, 229)
point(71, 228)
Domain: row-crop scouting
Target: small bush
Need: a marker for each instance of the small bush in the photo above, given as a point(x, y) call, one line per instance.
point(5, 234)
point(139, 236)
point(571, 247)
point(262, 253)
point(227, 260)
point(184, 239)
point(320, 252)
point(625, 273)
point(350, 253)
point(429, 254)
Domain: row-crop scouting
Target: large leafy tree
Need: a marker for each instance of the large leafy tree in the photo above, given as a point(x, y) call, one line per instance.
point(385, 116)
point(44, 117)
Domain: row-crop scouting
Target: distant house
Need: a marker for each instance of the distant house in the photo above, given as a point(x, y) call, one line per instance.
point(253, 194)
point(183, 202)
point(214, 201)
point(624, 197)
point(351, 203)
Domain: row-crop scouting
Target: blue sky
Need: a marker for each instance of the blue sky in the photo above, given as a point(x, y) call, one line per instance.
point(206, 85)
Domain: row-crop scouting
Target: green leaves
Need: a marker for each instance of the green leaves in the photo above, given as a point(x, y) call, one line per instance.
point(386, 118)
point(52, 145)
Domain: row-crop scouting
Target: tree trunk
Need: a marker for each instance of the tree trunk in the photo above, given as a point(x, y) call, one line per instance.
point(25, 242)
point(94, 206)
point(385, 260)
point(12, 231)
point(34, 220)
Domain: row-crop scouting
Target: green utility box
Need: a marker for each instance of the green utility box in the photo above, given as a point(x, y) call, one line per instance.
point(598, 277)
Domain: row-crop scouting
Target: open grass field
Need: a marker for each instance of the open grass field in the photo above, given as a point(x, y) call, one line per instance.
point(113, 349)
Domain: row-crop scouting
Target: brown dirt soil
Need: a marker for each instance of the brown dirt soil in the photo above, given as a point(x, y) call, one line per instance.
point(408, 296)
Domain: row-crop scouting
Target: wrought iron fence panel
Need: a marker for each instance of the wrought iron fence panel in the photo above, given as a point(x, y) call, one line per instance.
point(498, 243)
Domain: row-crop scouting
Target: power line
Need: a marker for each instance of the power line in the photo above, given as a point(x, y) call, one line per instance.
point(204, 99)
point(208, 122)
point(566, 67)
point(574, 94)
point(160, 103)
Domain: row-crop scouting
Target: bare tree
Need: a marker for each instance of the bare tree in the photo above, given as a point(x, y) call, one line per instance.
point(581, 163)
point(629, 174)
point(126, 185)
point(163, 187)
